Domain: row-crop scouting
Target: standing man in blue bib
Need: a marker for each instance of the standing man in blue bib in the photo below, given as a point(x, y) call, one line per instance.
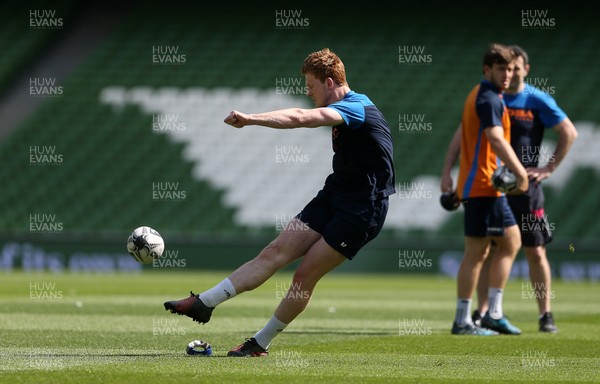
point(347, 213)
point(532, 111)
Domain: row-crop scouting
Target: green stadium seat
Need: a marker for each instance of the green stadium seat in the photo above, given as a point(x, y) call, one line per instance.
point(112, 157)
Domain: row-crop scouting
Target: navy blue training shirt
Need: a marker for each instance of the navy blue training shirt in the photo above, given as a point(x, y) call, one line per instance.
point(363, 150)
point(531, 111)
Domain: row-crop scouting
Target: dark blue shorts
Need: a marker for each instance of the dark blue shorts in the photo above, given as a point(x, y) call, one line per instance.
point(487, 216)
point(528, 209)
point(346, 224)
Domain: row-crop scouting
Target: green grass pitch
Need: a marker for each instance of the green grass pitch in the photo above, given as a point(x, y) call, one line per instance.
point(80, 328)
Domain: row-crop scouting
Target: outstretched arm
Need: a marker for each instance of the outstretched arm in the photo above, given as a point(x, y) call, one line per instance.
point(286, 118)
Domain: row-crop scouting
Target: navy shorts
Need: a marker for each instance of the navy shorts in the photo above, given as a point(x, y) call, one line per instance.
point(487, 216)
point(528, 209)
point(346, 224)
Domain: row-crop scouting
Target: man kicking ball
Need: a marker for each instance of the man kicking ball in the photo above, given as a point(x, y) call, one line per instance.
point(347, 213)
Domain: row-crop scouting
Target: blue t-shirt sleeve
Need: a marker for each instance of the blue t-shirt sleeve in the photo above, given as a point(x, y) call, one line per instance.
point(550, 113)
point(490, 112)
point(353, 113)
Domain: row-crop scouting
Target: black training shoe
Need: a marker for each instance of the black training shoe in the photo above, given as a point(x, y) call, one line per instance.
point(476, 317)
point(471, 329)
point(547, 323)
point(191, 306)
point(250, 348)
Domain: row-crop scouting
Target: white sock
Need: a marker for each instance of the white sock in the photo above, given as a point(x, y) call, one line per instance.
point(269, 331)
point(218, 294)
point(495, 302)
point(463, 312)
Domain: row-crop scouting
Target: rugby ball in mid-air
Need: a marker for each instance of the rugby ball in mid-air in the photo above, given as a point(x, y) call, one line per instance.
point(145, 244)
point(503, 179)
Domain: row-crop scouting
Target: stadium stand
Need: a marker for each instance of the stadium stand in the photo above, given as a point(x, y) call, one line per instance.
point(111, 158)
point(20, 37)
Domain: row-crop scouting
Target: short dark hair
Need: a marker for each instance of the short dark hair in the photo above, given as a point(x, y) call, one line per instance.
point(518, 51)
point(498, 54)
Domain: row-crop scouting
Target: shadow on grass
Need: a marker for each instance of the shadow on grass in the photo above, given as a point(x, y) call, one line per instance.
point(109, 355)
point(86, 354)
point(347, 332)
